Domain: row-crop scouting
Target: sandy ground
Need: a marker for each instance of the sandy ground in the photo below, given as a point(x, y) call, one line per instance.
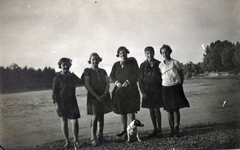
point(214, 135)
point(29, 119)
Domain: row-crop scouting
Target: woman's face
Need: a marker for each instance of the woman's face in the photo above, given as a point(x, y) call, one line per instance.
point(123, 54)
point(165, 53)
point(149, 55)
point(65, 66)
point(95, 61)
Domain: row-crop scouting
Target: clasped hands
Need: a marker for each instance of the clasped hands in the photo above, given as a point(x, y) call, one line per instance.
point(125, 84)
point(101, 98)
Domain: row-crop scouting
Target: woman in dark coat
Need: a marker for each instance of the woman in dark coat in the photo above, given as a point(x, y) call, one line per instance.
point(125, 95)
point(150, 82)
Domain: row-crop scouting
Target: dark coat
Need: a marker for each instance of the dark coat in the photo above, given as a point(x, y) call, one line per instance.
point(130, 103)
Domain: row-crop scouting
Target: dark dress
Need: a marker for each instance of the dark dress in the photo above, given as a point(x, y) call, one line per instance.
point(98, 84)
point(129, 100)
point(150, 82)
point(64, 90)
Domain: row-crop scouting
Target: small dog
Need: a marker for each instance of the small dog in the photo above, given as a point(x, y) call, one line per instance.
point(132, 131)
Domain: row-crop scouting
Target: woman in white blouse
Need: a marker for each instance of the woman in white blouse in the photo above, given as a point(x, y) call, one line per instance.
point(173, 95)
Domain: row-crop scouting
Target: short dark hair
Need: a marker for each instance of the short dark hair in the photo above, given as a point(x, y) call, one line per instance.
point(64, 60)
point(149, 48)
point(94, 54)
point(122, 48)
point(166, 47)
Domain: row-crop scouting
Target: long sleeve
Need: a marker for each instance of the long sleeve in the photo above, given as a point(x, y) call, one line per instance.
point(112, 74)
point(128, 72)
point(134, 77)
point(141, 85)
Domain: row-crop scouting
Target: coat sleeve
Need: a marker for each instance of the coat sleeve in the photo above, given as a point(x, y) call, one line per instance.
point(112, 74)
point(140, 78)
point(134, 77)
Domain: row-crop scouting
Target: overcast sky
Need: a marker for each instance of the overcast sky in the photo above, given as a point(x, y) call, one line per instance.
point(37, 33)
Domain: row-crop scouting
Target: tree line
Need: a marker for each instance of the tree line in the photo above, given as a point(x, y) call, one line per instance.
point(219, 56)
point(16, 79)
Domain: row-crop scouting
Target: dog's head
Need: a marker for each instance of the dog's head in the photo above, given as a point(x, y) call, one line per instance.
point(137, 123)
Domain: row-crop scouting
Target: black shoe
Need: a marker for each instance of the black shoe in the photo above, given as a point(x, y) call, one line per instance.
point(176, 131)
point(121, 133)
point(66, 145)
point(154, 133)
point(177, 135)
point(76, 145)
point(171, 131)
point(94, 142)
point(171, 134)
point(159, 133)
point(101, 139)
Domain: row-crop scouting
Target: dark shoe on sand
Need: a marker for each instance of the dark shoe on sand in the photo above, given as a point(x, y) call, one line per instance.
point(101, 139)
point(159, 133)
point(154, 133)
point(94, 143)
point(171, 134)
point(171, 131)
point(76, 145)
point(66, 145)
point(176, 131)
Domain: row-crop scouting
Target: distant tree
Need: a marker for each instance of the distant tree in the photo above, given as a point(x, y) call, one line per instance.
point(14, 77)
point(190, 69)
point(215, 62)
point(212, 59)
point(203, 66)
point(200, 70)
point(227, 55)
point(205, 60)
point(236, 57)
point(218, 56)
point(48, 74)
point(14, 66)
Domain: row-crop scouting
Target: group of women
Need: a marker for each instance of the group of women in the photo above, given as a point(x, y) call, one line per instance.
point(160, 84)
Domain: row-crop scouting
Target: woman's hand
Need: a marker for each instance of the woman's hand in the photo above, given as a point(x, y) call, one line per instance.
point(144, 95)
point(103, 97)
point(125, 84)
point(100, 98)
point(56, 106)
point(119, 85)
